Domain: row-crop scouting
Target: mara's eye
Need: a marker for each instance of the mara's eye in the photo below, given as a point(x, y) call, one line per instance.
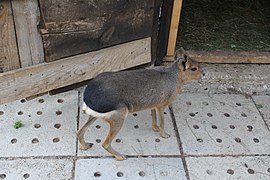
point(194, 69)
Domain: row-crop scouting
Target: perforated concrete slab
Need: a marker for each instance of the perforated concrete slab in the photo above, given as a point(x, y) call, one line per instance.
point(220, 124)
point(139, 168)
point(49, 126)
point(244, 167)
point(135, 138)
point(36, 169)
point(263, 105)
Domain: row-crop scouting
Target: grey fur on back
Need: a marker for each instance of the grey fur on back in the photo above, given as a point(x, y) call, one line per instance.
point(135, 89)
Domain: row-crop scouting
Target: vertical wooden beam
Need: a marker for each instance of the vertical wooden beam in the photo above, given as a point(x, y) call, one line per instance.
point(26, 17)
point(164, 27)
point(155, 30)
point(9, 58)
point(177, 6)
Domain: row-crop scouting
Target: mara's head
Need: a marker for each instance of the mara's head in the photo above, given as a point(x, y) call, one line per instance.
point(190, 68)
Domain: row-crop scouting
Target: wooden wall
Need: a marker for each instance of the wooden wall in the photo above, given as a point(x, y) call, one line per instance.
point(47, 44)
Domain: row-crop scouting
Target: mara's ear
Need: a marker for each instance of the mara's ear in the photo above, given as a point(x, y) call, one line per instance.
point(178, 54)
point(184, 62)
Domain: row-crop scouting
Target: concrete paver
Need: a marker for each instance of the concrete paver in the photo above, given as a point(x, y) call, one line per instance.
point(221, 124)
point(263, 105)
point(136, 138)
point(44, 169)
point(133, 168)
point(49, 126)
point(245, 167)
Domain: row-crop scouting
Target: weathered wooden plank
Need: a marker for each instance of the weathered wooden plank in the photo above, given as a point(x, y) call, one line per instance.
point(177, 6)
point(229, 56)
point(47, 76)
point(26, 17)
point(9, 58)
point(72, 27)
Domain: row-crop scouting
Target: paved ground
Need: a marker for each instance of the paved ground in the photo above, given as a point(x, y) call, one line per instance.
point(213, 136)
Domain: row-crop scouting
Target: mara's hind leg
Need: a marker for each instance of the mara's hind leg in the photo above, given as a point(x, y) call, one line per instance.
point(154, 120)
point(81, 132)
point(162, 132)
point(116, 123)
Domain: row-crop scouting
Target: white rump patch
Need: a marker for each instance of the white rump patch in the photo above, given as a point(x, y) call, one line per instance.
point(93, 113)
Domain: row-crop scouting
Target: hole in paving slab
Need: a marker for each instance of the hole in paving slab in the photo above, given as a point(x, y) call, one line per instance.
point(142, 173)
point(3, 176)
point(237, 140)
point(57, 126)
point(199, 140)
point(256, 140)
point(226, 114)
point(120, 174)
point(238, 104)
point(118, 140)
point(249, 127)
point(23, 100)
point(230, 171)
point(209, 114)
point(1, 113)
point(214, 126)
point(243, 114)
point(268, 170)
point(136, 126)
point(98, 126)
point(37, 125)
point(39, 113)
point(60, 100)
point(13, 141)
point(205, 89)
point(26, 176)
point(97, 174)
point(251, 171)
point(195, 126)
point(135, 114)
point(20, 113)
point(56, 140)
point(205, 103)
point(192, 114)
point(58, 113)
point(157, 140)
point(98, 140)
point(164, 112)
point(41, 100)
point(209, 172)
point(35, 140)
point(188, 103)
point(232, 126)
point(219, 140)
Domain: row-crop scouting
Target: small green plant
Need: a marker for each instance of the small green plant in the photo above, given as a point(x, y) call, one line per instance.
point(18, 124)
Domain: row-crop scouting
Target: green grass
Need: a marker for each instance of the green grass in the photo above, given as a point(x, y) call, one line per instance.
point(18, 124)
point(238, 25)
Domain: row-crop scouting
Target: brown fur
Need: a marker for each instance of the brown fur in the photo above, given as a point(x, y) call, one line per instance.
point(132, 91)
